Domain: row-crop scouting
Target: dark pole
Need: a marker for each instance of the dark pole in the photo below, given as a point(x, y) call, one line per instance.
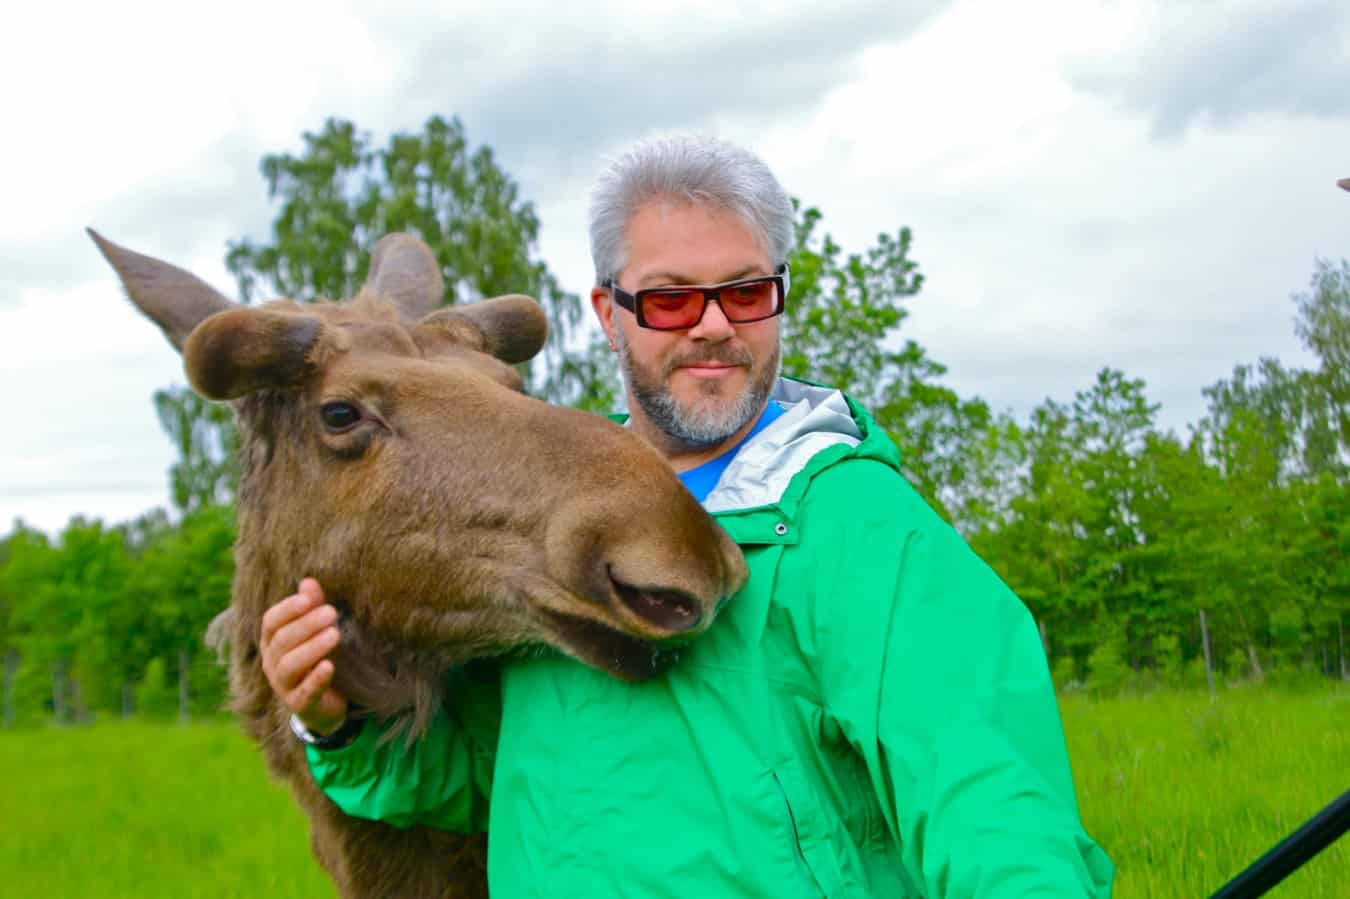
point(1292, 853)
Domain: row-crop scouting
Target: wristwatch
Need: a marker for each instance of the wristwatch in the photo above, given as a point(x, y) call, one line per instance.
point(343, 736)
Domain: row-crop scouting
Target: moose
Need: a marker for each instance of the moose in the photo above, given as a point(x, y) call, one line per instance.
point(389, 450)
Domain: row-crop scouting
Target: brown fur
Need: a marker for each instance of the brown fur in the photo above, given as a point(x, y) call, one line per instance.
point(457, 519)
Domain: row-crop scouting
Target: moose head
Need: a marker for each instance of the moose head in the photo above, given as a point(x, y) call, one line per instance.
point(388, 449)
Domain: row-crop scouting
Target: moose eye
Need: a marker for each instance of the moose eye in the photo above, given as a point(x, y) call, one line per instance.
point(339, 416)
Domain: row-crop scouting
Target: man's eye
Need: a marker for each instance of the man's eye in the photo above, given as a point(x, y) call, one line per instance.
point(749, 294)
point(672, 299)
point(339, 416)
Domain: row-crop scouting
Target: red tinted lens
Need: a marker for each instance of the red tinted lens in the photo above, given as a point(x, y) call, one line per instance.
point(671, 308)
point(749, 301)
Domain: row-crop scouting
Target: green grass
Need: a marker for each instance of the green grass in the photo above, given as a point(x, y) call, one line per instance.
point(148, 810)
point(1182, 791)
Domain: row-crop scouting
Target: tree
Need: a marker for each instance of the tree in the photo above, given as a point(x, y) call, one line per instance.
point(6, 599)
point(335, 199)
point(1321, 548)
point(843, 309)
point(341, 195)
point(64, 593)
point(179, 581)
point(1323, 324)
point(841, 327)
point(203, 433)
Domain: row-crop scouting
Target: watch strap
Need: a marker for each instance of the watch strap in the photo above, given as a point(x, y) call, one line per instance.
point(344, 736)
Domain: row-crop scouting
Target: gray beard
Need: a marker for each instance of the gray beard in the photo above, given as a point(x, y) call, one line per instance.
point(702, 425)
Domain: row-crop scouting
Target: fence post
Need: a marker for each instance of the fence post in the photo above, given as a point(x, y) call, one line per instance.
point(11, 669)
point(1209, 663)
point(183, 693)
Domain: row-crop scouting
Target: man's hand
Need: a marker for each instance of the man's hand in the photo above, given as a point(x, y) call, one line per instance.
point(298, 634)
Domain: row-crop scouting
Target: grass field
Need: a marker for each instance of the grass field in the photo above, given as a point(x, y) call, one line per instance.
point(1181, 790)
point(148, 810)
point(1185, 792)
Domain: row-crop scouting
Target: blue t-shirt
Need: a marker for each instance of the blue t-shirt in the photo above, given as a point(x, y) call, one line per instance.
point(703, 479)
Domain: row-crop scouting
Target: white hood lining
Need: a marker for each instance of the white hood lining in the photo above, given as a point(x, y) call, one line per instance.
point(814, 418)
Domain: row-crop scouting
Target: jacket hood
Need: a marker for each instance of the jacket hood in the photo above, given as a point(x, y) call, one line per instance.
point(756, 497)
point(814, 418)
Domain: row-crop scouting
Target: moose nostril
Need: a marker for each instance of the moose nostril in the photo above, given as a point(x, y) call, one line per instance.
point(667, 609)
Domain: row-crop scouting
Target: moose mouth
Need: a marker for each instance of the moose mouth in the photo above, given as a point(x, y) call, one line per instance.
point(612, 651)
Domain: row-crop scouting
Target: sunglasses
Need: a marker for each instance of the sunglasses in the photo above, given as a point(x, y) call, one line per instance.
point(677, 308)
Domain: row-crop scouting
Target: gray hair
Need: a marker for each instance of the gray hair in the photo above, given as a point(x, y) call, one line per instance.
point(705, 171)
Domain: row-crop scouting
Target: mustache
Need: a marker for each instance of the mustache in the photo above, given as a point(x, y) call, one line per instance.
point(715, 355)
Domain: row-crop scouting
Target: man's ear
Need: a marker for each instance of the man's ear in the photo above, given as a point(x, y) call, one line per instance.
point(602, 301)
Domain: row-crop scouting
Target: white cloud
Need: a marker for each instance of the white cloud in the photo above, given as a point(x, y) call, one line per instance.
point(79, 367)
point(1057, 236)
point(1057, 232)
point(1187, 61)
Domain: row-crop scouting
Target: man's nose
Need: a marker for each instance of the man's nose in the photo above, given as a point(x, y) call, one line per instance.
point(714, 325)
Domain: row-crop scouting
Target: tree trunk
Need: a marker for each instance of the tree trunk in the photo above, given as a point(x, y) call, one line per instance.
point(1257, 673)
point(128, 701)
point(1045, 639)
point(183, 693)
point(11, 669)
point(59, 692)
point(1209, 662)
point(1340, 629)
point(79, 712)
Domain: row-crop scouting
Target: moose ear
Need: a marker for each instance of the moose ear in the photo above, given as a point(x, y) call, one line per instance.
point(175, 300)
point(514, 327)
point(242, 350)
point(403, 269)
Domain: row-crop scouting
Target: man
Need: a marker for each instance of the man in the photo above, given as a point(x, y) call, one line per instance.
point(870, 715)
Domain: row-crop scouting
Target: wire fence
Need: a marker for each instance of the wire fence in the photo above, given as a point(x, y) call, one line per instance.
point(190, 684)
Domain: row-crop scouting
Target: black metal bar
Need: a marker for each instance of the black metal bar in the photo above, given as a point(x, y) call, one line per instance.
point(1292, 852)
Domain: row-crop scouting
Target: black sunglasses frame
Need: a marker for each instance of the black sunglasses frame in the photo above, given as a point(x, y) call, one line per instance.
point(711, 294)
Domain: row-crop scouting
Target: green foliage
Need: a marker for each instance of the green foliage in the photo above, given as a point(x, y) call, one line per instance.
point(203, 435)
point(1117, 536)
point(156, 697)
point(1323, 324)
point(334, 200)
point(342, 193)
point(95, 609)
point(1236, 664)
point(1107, 672)
point(844, 308)
point(1169, 659)
point(841, 327)
point(1115, 532)
point(1064, 673)
point(32, 692)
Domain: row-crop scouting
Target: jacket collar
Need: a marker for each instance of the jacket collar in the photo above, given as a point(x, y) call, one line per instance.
point(815, 418)
point(757, 496)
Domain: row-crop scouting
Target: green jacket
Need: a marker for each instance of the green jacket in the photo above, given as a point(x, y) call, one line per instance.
point(870, 716)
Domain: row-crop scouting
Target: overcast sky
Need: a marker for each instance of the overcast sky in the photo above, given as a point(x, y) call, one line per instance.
point(1133, 184)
